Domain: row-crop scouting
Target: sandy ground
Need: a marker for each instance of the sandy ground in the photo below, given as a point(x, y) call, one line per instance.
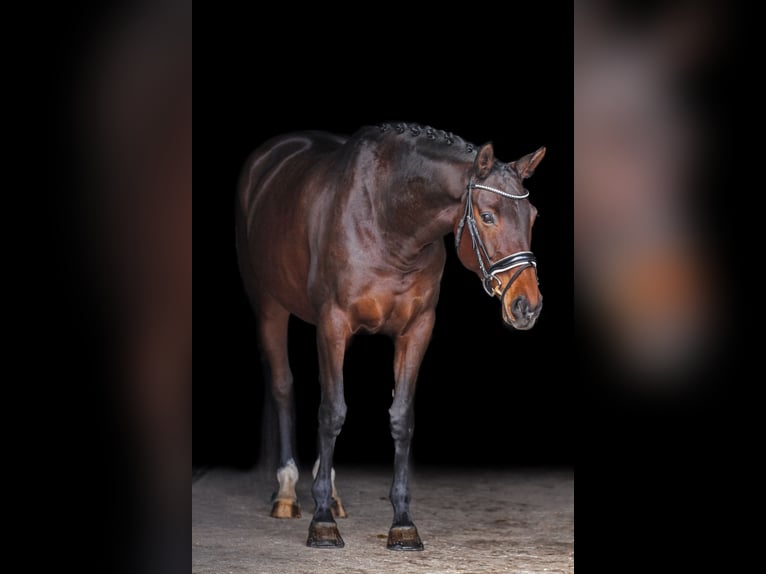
point(470, 522)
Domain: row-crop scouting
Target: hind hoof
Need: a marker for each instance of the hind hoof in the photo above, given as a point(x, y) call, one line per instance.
point(285, 509)
point(337, 509)
point(404, 538)
point(324, 535)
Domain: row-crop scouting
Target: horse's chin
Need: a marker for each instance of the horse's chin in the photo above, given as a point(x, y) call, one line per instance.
point(519, 325)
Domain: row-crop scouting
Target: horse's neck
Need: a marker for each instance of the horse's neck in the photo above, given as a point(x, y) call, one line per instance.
point(421, 203)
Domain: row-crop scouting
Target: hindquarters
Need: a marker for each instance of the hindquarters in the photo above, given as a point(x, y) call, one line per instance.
point(279, 188)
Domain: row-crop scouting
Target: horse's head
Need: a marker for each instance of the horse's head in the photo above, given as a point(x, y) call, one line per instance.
point(494, 234)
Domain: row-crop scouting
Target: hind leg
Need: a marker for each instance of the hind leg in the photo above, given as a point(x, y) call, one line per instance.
point(272, 333)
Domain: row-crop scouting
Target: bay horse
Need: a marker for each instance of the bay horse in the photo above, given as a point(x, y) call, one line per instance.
point(346, 233)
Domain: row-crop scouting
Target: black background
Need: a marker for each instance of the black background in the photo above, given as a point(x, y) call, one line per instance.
point(486, 395)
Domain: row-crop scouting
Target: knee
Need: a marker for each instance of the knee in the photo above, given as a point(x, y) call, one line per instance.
point(283, 394)
point(401, 423)
point(282, 387)
point(332, 416)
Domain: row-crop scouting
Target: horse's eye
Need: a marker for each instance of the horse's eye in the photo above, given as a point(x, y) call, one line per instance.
point(488, 218)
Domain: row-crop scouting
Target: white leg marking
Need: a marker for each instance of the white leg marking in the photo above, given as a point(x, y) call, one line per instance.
point(287, 477)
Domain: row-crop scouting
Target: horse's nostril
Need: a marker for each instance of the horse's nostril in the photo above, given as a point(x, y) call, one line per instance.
point(520, 307)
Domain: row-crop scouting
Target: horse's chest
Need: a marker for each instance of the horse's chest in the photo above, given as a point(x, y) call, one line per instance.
point(388, 312)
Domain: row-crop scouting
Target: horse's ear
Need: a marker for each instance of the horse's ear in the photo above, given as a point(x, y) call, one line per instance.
point(485, 159)
point(526, 166)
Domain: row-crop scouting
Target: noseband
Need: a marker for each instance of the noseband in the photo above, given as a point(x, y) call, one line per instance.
point(520, 259)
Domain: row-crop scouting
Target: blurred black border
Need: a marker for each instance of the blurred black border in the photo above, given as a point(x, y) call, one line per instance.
point(650, 493)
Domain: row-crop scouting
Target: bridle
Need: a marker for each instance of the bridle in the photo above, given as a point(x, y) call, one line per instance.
point(519, 260)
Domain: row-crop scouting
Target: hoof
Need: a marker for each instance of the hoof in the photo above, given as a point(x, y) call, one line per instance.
point(285, 509)
point(337, 509)
point(404, 538)
point(324, 535)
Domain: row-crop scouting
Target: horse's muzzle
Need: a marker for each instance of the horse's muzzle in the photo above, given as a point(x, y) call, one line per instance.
point(522, 315)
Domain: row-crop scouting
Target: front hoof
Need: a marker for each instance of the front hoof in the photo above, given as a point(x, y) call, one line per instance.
point(337, 509)
point(324, 535)
point(285, 509)
point(404, 538)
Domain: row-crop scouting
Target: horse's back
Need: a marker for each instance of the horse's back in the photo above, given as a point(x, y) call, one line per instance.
point(276, 196)
point(294, 151)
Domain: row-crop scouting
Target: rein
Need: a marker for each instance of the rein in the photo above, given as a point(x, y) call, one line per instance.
point(520, 259)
